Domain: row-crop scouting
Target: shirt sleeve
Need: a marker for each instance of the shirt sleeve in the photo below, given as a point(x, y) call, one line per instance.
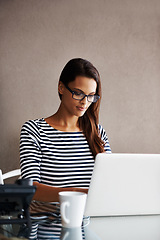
point(104, 137)
point(30, 151)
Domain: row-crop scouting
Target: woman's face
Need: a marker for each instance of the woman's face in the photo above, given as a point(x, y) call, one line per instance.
point(81, 85)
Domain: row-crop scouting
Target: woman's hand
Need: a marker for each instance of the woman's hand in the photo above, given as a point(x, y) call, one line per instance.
point(47, 193)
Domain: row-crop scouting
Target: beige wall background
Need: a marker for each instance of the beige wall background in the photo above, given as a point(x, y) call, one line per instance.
point(120, 37)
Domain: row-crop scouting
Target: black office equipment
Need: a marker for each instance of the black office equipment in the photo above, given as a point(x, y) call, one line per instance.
point(14, 202)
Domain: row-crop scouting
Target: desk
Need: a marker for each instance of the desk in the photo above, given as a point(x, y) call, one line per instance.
point(104, 228)
point(126, 228)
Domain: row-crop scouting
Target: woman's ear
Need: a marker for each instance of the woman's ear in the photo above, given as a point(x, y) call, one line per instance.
point(60, 87)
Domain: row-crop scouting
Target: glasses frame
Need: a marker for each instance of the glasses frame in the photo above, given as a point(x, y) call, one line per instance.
point(85, 95)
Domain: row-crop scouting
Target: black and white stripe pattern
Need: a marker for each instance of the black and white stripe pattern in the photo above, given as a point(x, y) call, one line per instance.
point(56, 158)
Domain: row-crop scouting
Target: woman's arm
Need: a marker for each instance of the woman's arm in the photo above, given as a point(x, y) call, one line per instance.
point(104, 137)
point(47, 193)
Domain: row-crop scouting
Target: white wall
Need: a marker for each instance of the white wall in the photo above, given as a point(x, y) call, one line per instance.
point(120, 37)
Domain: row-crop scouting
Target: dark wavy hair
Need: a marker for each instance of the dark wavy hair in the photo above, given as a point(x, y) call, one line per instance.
point(89, 121)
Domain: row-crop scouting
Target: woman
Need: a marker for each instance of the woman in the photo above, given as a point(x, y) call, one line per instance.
point(58, 152)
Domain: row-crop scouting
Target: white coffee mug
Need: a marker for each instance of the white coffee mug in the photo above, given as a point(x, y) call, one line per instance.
point(72, 206)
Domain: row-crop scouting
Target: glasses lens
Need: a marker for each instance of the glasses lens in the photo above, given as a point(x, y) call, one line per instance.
point(78, 95)
point(93, 98)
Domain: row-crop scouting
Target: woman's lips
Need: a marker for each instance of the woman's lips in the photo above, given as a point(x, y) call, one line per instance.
point(81, 108)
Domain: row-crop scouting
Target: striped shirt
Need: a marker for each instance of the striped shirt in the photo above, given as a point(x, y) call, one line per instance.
point(56, 158)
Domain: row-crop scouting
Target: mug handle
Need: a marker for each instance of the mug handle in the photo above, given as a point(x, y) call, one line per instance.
point(63, 215)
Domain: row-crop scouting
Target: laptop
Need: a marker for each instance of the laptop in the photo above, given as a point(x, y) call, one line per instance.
point(124, 184)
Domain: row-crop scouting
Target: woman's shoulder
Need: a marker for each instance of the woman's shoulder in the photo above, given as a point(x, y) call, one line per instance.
point(102, 133)
point(101, 129)
point(104, 137)
point(33, 125)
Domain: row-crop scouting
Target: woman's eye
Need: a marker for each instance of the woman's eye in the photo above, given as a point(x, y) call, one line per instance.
point(78, 93)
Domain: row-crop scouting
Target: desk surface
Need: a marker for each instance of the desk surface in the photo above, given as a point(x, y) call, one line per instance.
point(124, 228)
point(102, 228)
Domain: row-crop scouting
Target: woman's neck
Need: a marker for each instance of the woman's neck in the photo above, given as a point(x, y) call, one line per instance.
point(63, 123)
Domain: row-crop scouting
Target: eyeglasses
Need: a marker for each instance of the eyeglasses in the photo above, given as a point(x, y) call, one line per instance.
point(80, 96)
